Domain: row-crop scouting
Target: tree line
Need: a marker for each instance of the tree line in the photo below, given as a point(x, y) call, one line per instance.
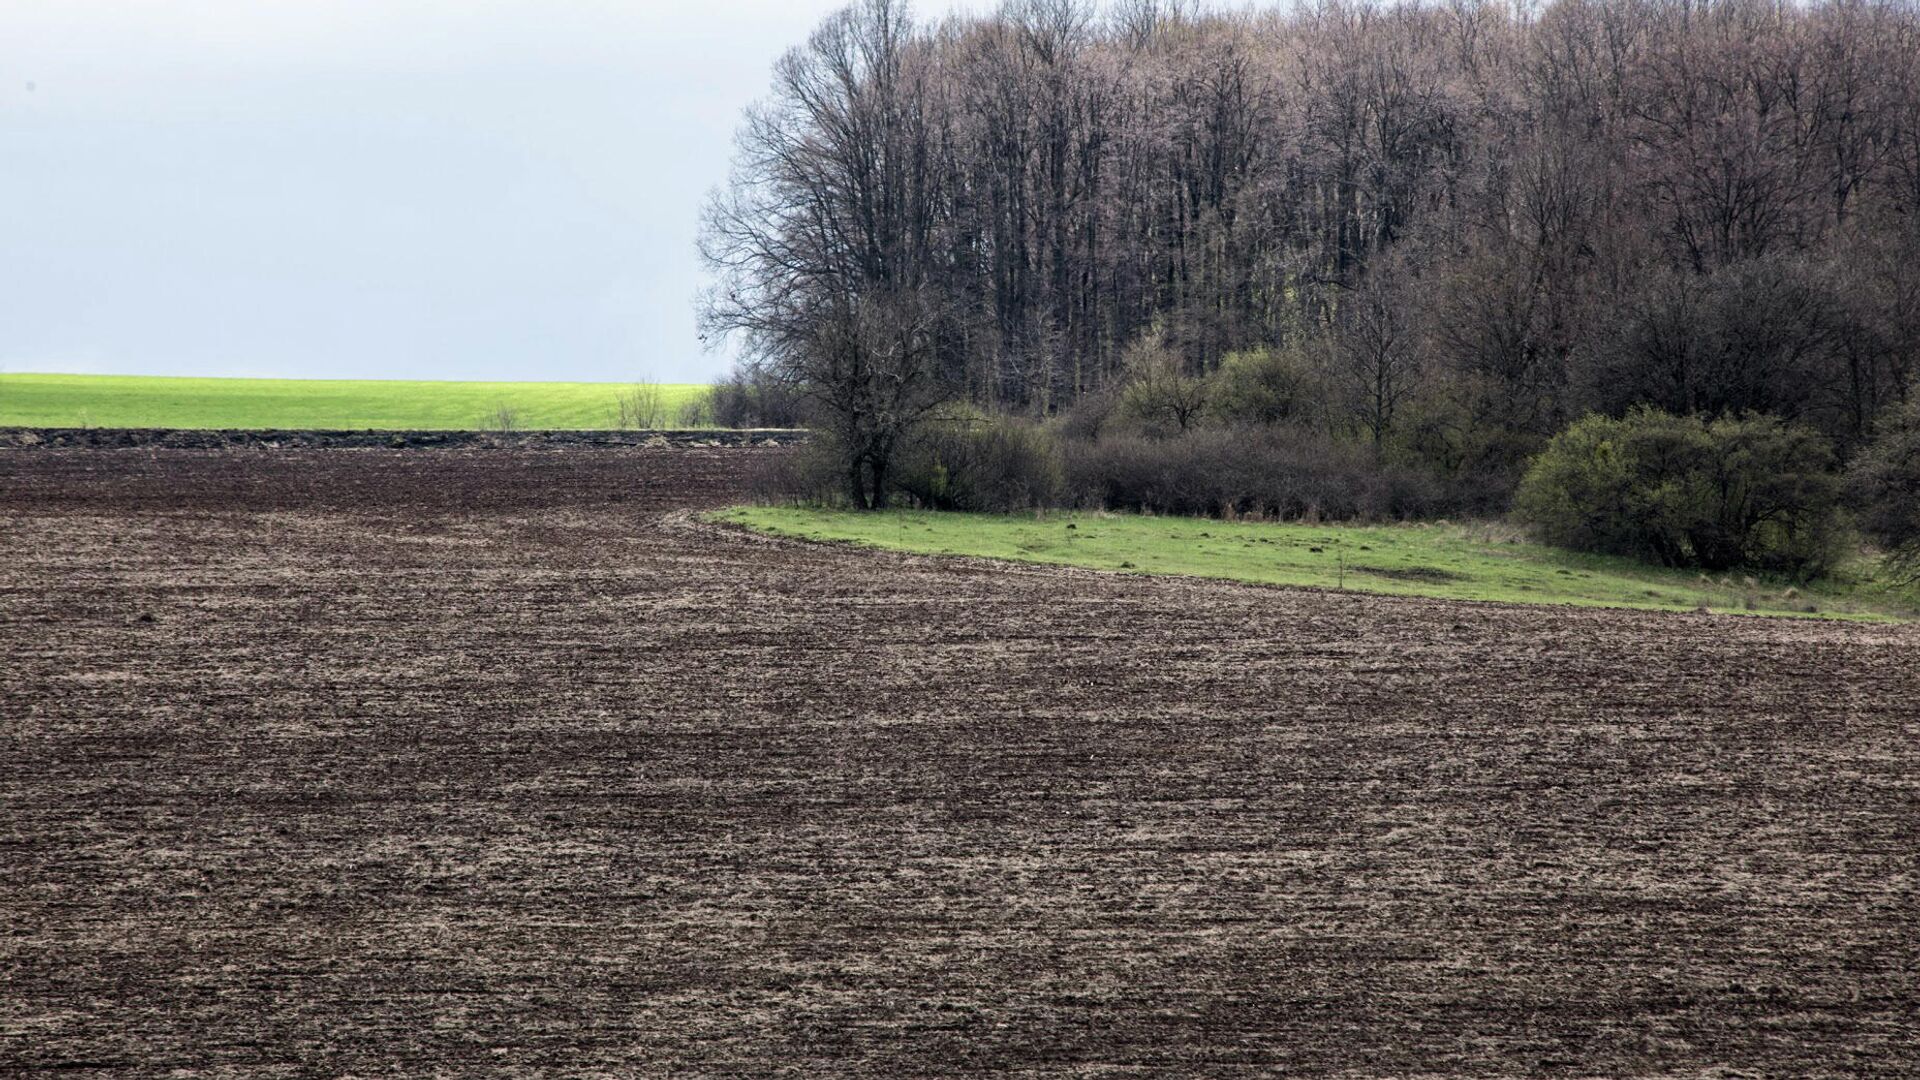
point(1441, 230)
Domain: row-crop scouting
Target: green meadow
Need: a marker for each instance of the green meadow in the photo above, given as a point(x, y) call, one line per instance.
point(349, 404)
point(1447, 561)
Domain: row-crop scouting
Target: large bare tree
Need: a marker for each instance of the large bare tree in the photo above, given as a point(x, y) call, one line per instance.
point(824, 242)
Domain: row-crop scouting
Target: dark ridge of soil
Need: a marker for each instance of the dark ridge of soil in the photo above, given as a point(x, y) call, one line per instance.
point(1432, 574)
point(276, 439)
point(385, 482)
point(393, 764)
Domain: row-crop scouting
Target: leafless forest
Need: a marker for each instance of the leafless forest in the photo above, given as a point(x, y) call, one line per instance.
point(1447, 229)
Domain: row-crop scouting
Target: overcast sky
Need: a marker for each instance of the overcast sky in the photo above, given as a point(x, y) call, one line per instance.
point(370, 188)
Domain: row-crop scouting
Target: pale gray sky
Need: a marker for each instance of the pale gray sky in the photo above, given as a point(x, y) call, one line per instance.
point(369, 188)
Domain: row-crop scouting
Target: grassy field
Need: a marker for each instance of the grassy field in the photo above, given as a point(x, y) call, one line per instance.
point(349, 404)
point(1453, 562)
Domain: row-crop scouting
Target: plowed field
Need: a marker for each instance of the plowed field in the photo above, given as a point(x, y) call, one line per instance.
point(503, 763)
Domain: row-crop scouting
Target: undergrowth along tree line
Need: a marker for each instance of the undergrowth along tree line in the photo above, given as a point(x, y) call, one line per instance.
point(1346, 258)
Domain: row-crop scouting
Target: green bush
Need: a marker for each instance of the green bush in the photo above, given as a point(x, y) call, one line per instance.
point(1885, 485)
point(1263, 387)
point(1751, 492)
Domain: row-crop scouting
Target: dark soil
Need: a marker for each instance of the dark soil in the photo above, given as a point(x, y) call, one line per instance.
point(1432, 574)
point(501, 763)
point(19, 438)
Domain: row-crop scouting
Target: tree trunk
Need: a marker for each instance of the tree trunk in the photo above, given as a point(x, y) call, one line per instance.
point(856, 484)
point(877, 463)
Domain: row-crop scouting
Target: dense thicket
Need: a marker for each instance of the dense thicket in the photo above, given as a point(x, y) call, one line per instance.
point(1886, 487)
point(1440, 230)
point(1682, 491)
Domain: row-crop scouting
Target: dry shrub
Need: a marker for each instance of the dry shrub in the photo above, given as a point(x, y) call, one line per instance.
point(752, 398)
point(1264, 472)
point(995, 466)
point(696, 411)
point(640, 406)
point(809, 475)
point(1009, 465)
point(1093, 414)
point(503, 418)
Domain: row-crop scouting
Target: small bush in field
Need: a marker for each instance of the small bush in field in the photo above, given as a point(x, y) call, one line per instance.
point(640, 406)
point(1680, 491)
point(502, 418)
point(696, 411)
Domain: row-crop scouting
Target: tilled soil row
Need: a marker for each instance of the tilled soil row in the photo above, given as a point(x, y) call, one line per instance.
point(388, 764)
point(22, 438)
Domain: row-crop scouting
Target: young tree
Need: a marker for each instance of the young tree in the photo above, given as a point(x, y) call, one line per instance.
point(1159, 392)
point(1375, 357)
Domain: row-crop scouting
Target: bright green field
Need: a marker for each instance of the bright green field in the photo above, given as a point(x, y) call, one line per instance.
point(348, 404)
point(1449, 561)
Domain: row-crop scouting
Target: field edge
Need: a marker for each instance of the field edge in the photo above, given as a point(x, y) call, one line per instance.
point(753, 519)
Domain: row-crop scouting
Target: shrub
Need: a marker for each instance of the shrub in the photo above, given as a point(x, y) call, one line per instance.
point(640, 406)
point(998, 466)
point(1263, 387)
point(1007, 465)
point(1885, 486)
point(696, 411)
point(503, 418)
point(1748, 492)
point(1459, 432)
point(1159, 395)
point(752, 398)
point(813, 474)
point(1264, 472)
point(1091, 415)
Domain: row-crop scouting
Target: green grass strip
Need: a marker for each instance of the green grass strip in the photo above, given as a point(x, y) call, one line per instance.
point(1446, 561)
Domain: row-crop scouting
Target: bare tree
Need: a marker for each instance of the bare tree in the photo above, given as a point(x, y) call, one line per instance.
point(1375, 358)
point(1160, 391)
point(823, 243)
